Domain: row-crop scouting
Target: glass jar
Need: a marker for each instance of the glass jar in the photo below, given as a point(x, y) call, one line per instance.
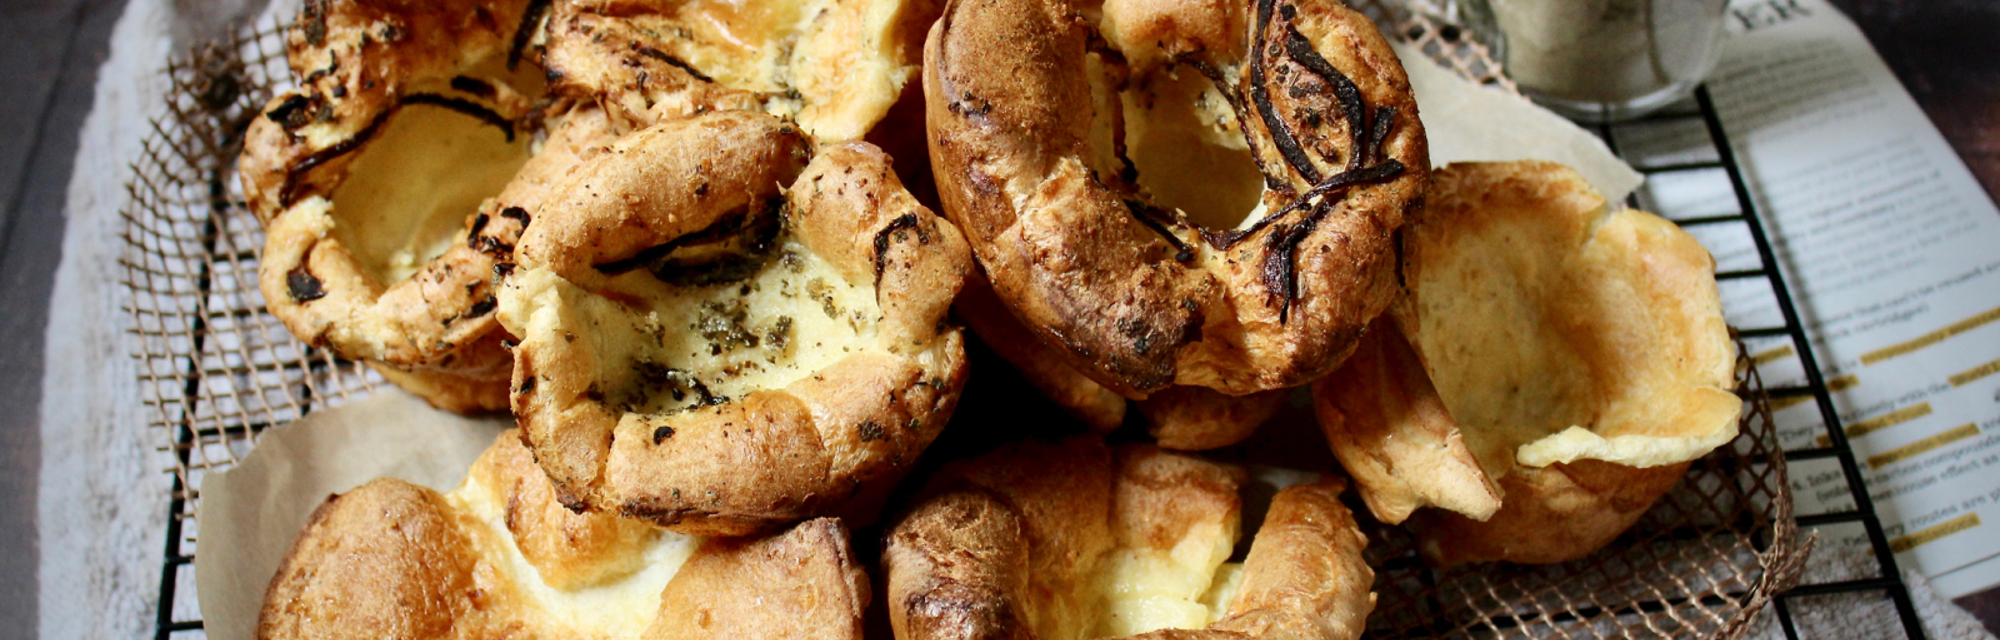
point(1603, 60)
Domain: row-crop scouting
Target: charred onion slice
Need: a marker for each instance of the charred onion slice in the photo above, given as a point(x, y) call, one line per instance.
point(704, 350)
point(1096, 167)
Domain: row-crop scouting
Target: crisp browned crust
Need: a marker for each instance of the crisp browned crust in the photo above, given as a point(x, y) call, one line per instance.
point(1010, 546)
point(386, 560)
point(809, 364)
point(1026, 137)
point(1580, 352)
point(620, 61)
point(1180, 418)
point(357, 61)
point(364, 65)
point(470, 380)
point(1101, 409)
point(1393, 434)
point(1199, 418)
point(1556, 513)
point(834, 67)
point(1305, 577)
point(804, 583)
point(394, 560)
point(569, 549)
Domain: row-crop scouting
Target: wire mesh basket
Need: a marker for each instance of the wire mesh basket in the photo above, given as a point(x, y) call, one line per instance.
point(1698, 564)
point(216, 369)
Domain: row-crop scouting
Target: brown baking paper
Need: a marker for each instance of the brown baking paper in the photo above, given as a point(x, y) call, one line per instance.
point(250, 514)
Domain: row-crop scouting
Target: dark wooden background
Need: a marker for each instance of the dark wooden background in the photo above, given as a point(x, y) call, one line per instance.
point(1946, 51)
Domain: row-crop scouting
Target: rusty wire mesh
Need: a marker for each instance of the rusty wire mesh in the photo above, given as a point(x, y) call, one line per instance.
point(1700, 563)
point(216, 369)
point(1422, 25)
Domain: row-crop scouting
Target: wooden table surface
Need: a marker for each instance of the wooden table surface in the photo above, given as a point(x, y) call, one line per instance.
point(1946, 51)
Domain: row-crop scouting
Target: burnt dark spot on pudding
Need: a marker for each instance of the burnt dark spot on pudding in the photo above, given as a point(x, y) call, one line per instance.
point(474, 86)
point(882, 237)
point(472, 236)
point(303, 286)
point(731, 249)
point(291, 113)
point(482, 307)
point(525, 32)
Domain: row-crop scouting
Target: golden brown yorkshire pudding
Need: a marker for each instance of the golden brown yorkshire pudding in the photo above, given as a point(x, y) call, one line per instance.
point(499, 557)
point(1199, 418)
point(1394, 435)
point(1073, 540)
point(375, 180)
point(709, 351)
point(1178, 192)
point(1569, 358)
point(832, 66)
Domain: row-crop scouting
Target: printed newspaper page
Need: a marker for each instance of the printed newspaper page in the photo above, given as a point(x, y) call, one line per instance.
point(1892, 253)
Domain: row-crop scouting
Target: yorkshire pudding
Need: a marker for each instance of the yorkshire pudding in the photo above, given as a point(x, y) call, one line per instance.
point(498, 557)
point(1073, 540)
point(375, 180)
point(1555, 358)
point(1184, 193)
point(704, 349)
point(834, 67)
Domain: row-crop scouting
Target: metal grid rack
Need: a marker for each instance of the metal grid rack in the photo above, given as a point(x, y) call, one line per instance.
point(216, 369)
point(1888, 581)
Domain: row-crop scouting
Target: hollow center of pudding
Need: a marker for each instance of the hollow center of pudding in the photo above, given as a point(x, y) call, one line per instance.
point(1183, 137)
point(1505, 326)
point(1184, 586)
point(705, 323)
point(792, 315)
point(409, 191)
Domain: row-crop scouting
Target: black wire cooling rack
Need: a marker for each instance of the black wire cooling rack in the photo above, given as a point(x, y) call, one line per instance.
point(216, 369)
point(1887, 583)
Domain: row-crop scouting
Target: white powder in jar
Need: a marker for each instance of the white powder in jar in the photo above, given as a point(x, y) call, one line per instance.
point(1608, 51)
